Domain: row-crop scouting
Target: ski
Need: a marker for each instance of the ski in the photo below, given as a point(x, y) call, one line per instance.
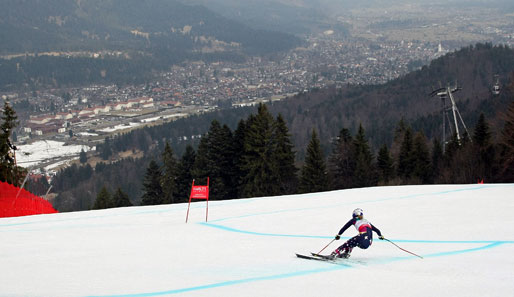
point(314, 258)
point(327, 258)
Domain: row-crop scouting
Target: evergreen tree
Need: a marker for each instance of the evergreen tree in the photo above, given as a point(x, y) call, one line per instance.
point(169, 174)
point(214, 160)
point(82, 156)
point(406, 157)
point(482, 135)
point(120, 199)
point(342, 161)
point(436, 159)
point(229, 168)
point(219, 160)
point(152, 190)
point(258, 161)
point(200, 170)
point(106, 151)
point(421, 158)
point(103, 199)
point(9, 172)
point(239, 149)
point(484, 151)
point(314, 177)
point(385, 165)
point(507, 142)
point(184, 176)
point(365, 173)
point(399, 135)
point(285, 158)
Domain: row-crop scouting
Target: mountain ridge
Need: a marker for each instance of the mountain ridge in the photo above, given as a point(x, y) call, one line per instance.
point(123, 24)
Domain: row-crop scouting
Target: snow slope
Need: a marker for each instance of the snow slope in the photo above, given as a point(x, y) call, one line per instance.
point(464, 232)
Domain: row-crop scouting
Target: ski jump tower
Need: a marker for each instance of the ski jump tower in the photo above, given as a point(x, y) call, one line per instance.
point(444, 94)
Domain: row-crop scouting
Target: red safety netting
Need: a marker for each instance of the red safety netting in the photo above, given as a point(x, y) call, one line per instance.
point(16, 202)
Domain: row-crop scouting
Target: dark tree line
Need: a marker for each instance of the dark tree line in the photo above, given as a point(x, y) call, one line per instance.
point(257, 159)
point(105, 199)
point(46, 71)
point(77, 186)
point(412, 159)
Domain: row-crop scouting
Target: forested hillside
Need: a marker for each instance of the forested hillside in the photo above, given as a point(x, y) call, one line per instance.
point(383, 127)
point(67, 25)
point(296, 17)
point(124, 34)
point(379, 108)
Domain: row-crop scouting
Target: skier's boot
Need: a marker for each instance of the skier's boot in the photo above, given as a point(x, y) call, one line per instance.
point(334, 254)
point(346, 253)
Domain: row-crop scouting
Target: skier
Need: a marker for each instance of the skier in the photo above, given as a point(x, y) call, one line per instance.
point(363, 240)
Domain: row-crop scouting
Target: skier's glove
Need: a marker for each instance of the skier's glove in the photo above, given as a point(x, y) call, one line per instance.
point(338, 237)
point(381, 237)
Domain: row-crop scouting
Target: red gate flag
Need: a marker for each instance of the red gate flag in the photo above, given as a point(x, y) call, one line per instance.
point(199, 192)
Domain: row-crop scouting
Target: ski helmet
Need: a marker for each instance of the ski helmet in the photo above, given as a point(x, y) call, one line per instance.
point(357, 212)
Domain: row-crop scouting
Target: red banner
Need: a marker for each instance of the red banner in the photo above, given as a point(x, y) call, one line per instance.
point(16, 202)
point(199, 192)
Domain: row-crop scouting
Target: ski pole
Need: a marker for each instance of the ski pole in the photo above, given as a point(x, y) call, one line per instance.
point(403, 248)
point(326, 246)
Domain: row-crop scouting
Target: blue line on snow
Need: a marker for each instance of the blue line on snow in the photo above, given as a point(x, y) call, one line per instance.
point(232, 282)
point(489, 244)
point(494, 244)
point(478, 187)
point(230, 229)
point(327, 268)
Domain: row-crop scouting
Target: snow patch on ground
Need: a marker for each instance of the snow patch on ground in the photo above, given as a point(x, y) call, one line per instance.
point(120, 127)
point(39, 152)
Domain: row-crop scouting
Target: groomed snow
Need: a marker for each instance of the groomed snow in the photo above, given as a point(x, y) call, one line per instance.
point(464, 232)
